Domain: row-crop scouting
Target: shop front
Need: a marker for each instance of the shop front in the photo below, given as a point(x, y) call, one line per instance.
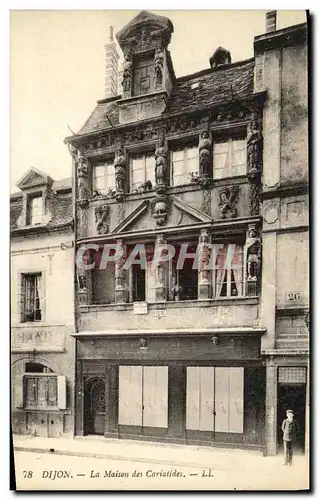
point(196, 389)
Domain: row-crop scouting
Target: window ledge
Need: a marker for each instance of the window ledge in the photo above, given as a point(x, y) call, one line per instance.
point(170, 304)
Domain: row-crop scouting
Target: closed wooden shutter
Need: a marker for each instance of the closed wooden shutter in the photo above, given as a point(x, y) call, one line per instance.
point(206, 406)
point(236, 400)
point(229, 399)
point(222, 399)
point(155, 396)
point(61, 392)
point(18, 396)
point(130, 395)
point(192, 397)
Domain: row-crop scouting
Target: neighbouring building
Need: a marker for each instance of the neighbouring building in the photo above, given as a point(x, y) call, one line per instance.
point(42, 306)
point(220, 156)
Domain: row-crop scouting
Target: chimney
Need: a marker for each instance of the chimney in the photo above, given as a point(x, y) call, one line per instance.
point(271, 21)
point(111, 67)
point(220, 57)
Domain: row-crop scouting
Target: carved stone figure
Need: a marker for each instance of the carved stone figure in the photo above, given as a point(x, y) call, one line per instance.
point(82, 284)
point(127, 73)
point(160, 163)
point(120, 172)
point(204, 256)
point(102, 219)
point(253, 255)
point(159, 206)
point(82, 175)
point(158, 66)
point(254, 149)
point(120, 272)
point(228, 200)
point(204, 147)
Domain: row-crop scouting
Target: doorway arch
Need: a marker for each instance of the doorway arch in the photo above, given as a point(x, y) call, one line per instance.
point(94, 406)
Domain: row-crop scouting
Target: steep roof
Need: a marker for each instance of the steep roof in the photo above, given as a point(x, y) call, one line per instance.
point(225, 83)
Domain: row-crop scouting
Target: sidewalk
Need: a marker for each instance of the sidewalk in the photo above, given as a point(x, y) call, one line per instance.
point(157, 453)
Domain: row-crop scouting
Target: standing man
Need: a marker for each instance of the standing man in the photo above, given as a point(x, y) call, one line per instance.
point(289, 428)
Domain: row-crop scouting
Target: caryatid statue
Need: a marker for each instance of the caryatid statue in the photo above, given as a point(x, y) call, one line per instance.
point(204, 147)
point(82, 176)
point(120, 169)
point(254, 149)
point(127, 73)
point(161, 162)
point(204, 256)
point(158, 66)
point(253, 254)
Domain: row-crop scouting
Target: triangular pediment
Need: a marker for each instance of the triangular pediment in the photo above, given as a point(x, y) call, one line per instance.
point(34, 177)
point(179, 214)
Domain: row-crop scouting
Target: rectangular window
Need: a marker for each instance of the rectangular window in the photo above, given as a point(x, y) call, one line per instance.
point(229, 157)
point(292, 375)
point(185, 280)
point(228, 275)
point(138, 284)
point(31, 297)
point(34, 215)
point(142, 171)
point(103, 177)
point(184, 161)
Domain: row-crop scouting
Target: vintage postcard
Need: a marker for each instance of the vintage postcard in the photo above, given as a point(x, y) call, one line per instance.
point(159, 229)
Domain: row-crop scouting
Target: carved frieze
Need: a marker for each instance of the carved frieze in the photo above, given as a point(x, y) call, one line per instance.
point(228, 201)
point(102, 218)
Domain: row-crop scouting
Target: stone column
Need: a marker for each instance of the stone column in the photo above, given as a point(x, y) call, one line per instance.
point(254, 161)
point(120, 277)
point(160, 273)
point(204, 275)
point(271, 407)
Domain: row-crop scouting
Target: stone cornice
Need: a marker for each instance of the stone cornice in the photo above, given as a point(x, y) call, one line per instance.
point(285, 191)
point(254, 100)
point(294, 35)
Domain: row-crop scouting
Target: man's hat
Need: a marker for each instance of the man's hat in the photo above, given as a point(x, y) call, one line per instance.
point(289, 411)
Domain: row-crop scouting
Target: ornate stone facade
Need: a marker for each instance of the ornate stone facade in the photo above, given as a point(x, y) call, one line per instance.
point(254, 162)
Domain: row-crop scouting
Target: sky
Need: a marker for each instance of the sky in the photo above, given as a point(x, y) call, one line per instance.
point(57, 70)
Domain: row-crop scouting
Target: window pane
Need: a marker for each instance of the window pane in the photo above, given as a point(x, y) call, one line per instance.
point(191, 153)
point(99, 171)
point(36, 210)
point(110, 175)
point(238, 157)
point(150, 169)
point(178, 155)
point(191, 165)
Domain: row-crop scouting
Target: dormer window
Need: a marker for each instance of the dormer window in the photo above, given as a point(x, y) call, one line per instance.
point(34, 215)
